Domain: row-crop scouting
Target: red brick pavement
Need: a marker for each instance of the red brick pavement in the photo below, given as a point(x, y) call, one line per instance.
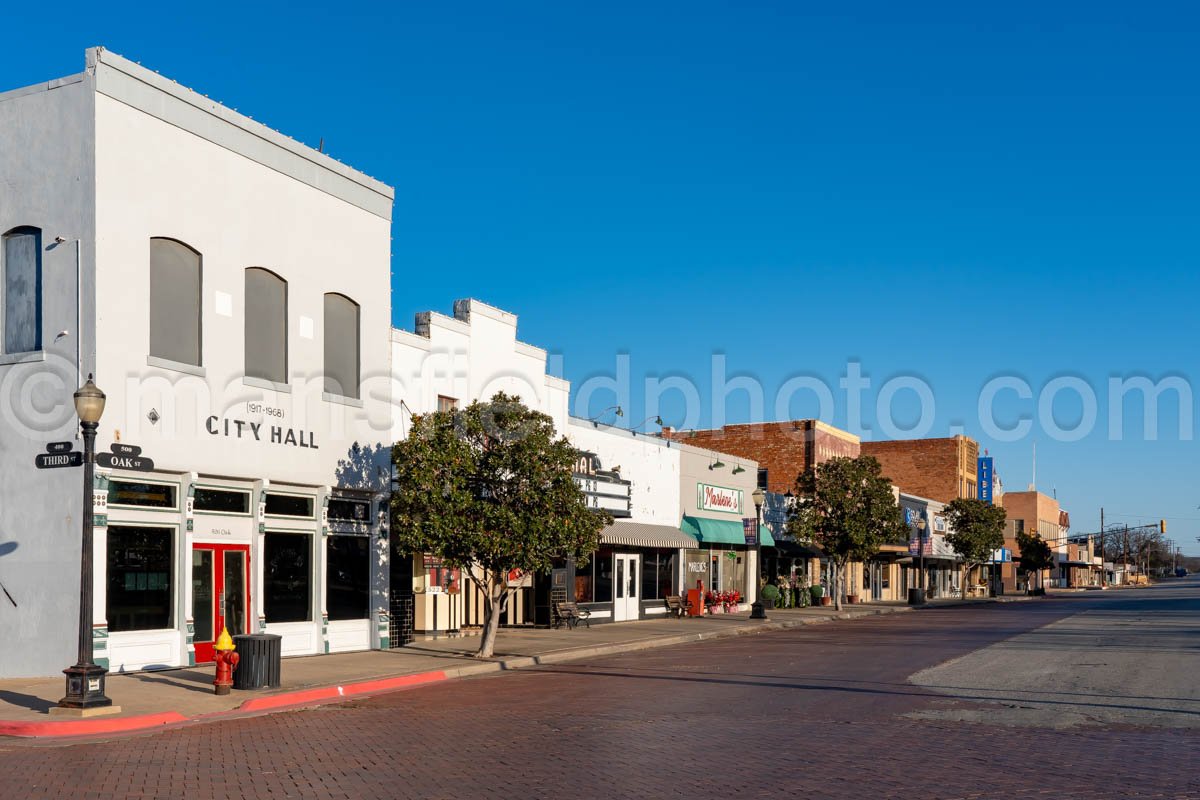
point(810, 713)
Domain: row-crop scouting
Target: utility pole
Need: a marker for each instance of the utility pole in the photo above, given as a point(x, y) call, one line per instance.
point(1125, 555)
point(1103, 569)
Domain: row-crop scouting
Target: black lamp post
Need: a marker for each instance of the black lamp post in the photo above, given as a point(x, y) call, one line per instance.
point(756, 608)
point(85, 680)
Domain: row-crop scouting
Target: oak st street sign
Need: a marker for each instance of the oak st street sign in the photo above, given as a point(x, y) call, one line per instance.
point(125, 456)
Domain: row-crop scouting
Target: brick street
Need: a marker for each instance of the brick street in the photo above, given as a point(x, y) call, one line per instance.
point(818, 712)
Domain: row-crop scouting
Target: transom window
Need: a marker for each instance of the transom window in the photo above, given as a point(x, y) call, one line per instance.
point(289, 505)
point(142, 494)
point(221, 501)
point(345, 510)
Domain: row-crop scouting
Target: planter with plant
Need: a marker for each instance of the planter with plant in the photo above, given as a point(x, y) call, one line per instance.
point(770, 596)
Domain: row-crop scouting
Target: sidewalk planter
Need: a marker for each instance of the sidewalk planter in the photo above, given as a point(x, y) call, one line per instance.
point(826, 600)
point(851, 599)
point(818, 594)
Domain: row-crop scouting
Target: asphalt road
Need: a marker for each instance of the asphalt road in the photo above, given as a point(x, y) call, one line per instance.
point(852, 709)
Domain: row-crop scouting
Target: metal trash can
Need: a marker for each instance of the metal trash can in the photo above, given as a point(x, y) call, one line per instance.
point(260, 655)
point(916, 597)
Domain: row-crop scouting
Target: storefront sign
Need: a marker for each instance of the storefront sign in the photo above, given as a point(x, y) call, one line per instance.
point(606, 494)
point(718, 498)
point(125, 456)
point(984, 477)
point(261, 432)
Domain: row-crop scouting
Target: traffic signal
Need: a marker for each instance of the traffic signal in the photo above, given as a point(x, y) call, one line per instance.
point(1162, 526)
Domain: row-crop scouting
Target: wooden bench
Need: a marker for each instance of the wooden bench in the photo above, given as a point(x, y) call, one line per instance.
point(677, 607)
point(571, 615)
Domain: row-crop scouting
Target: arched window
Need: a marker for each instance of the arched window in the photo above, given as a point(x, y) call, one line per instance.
point(341, 346)
point(175, 302)
point(266, 326)
point(21, 286)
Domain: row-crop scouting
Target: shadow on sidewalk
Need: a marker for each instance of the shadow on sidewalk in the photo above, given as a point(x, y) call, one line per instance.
point(29, 701)
point(189, 680)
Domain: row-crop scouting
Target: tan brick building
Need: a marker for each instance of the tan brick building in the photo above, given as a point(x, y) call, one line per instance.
point(939, 469)
point(783, 450)
point(1029, 512)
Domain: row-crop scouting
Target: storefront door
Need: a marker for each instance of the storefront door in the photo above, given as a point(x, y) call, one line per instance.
point(625, 600)
point(220, 593)
point(876, 574)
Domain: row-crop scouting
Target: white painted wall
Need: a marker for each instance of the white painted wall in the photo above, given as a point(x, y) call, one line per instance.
point(118, 155)
point(469, 356)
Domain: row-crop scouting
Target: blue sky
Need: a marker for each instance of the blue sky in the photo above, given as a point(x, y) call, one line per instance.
point(929, 190)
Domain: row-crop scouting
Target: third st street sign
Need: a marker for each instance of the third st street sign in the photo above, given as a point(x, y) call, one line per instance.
point(58, 455)
point(125, 456)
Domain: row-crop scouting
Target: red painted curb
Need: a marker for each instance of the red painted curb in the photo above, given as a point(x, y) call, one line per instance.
point(296, 699)
point(90, 727)
point(323, 693)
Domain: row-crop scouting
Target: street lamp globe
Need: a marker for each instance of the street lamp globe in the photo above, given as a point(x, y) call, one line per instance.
point(921, 524)
point(89, 402)
point(759, 495)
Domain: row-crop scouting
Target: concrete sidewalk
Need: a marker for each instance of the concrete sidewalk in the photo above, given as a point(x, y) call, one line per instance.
point(166, 697)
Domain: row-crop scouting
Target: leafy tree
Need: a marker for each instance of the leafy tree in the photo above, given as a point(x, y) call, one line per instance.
point(489, 489)
point(846, 507)
point(978, 531)
point(1035, 552)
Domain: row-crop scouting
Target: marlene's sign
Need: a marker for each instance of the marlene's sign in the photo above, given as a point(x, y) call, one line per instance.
point(718, 498)
point(260, 432)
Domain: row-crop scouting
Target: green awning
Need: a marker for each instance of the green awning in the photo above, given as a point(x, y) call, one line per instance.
point(723, 531)
point(764, 536)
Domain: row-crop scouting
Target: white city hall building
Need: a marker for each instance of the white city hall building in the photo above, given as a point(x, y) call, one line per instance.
point(229, 288)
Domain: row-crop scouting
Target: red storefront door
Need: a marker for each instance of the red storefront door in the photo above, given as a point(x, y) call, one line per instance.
point(220, 594)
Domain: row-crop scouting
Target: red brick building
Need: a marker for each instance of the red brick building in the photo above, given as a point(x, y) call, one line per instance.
point(939, 469)
point(783, 450)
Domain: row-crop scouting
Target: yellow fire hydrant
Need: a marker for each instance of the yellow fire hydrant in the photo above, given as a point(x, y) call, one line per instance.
point(226, 660)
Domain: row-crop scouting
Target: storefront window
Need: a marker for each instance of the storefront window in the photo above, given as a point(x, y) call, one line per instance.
point(348, 578)
point(594, 582)
point(222, 501)
point(584, 582)
point(287, 577)
point(604, 576)
point(140, 587)
point(658, 575)
point(696, 569)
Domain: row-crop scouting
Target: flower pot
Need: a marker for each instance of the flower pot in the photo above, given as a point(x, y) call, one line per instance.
point(826, 600)
point(851, 598)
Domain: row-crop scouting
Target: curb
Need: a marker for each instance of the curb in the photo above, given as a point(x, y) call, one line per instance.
point(321, 695)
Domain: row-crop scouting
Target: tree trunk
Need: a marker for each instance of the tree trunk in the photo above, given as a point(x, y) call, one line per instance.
point(839, 580)
point(493, 607)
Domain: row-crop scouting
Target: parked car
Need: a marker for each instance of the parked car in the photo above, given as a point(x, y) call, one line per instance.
point(1181, 572)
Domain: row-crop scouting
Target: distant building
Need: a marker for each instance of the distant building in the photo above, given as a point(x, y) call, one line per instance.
point(940, 469)
point(783, 450)
point(1076, 564)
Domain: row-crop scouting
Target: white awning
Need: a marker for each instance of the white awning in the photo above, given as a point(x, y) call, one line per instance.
point(641, 534)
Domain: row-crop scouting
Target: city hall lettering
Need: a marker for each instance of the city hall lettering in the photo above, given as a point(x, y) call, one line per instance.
point(259, 432)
